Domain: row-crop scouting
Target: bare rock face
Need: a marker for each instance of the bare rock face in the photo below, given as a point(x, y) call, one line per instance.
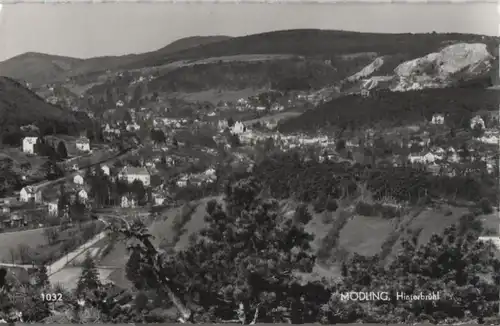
point(461, 61)
point(455, 64)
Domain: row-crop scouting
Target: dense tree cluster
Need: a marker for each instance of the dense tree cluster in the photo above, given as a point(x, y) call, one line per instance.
point(290, 175)
point(243, 266)
point(397, 108)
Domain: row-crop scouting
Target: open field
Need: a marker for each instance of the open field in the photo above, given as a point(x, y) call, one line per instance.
point(163, 232)
point(12, 240)
point(365, 235)
point(37, 245)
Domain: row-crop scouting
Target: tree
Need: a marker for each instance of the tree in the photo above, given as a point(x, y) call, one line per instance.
point(41, 277)
point(61, 150)
point(230, 122)
point(158, 136)
point(133, 268)
point(137, 187)
point(127, 117)
point(340, 145)
point(89, 279)
point(486, 206)
point(234, 140)
point(257, 250)
point(9, 180)
point(302, 215)
point(477, 131)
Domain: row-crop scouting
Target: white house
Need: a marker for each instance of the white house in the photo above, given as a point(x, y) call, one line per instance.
point(158, 199)
point(120, 104)
point(29, 193)
point(127, 202)
point(222, 124)
point(29, 144)
point(491, 139)
point(415, 158)
point(105, 169)
point(83, 196)
point(53, 208)
point(83, 144)
point(182, 182)
point(238, 128)
point(130, 174)
point(210, 172)
point(429, 158)
point(477, 120)
point(437, 119)
point(78, 179)
point(133, 127)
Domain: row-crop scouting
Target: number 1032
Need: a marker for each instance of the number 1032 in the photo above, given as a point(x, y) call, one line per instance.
point(52, 297)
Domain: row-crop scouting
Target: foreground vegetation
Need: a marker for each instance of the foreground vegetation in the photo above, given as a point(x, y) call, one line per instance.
point(245, 266)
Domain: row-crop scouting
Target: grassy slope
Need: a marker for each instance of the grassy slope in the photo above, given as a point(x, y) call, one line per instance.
point(361, 234)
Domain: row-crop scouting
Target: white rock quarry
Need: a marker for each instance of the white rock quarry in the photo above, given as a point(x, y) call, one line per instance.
point(435, 70)
point(461, 60)
point(367, 70)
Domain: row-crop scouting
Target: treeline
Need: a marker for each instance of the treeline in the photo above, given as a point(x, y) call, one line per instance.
point(282, 74)
point(396, 108)
point(289, 175)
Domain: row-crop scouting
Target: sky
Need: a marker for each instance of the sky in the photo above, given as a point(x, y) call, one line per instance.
point(89, 30)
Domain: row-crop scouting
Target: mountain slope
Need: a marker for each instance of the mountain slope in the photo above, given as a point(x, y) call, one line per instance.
point(323, 43)
point(20, 106)
point(39, 68)
point(395, 108)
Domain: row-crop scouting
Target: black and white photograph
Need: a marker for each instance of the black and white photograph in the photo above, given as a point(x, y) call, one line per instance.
point(250, 163)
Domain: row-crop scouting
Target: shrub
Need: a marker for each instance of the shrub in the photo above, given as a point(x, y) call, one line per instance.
point(486, 206)
point(331, 205)
point(365, 209)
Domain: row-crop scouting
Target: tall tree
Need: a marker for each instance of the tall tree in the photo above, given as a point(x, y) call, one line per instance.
point(89, 278)
point(61, 150)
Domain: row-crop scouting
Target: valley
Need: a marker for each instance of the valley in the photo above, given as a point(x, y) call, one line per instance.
point(256, 172)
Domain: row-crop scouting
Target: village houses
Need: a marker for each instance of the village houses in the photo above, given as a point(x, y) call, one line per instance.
point(128, 201)
point(437, 119)
point(477, 121)
point(29, 144)
point(82, 195)
point(30, 193)
point(105, 170)
point(238, 128)
point(83, 144)
point(130, 174)
point(53, 208)
point(78, 179)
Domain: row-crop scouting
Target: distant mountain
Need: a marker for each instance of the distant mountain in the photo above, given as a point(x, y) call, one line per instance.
point(37, 67)
point(40, 68)
point(20, 106)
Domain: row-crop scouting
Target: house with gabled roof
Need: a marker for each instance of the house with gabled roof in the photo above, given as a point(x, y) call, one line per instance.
point(130, 174)
point(30, 193)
